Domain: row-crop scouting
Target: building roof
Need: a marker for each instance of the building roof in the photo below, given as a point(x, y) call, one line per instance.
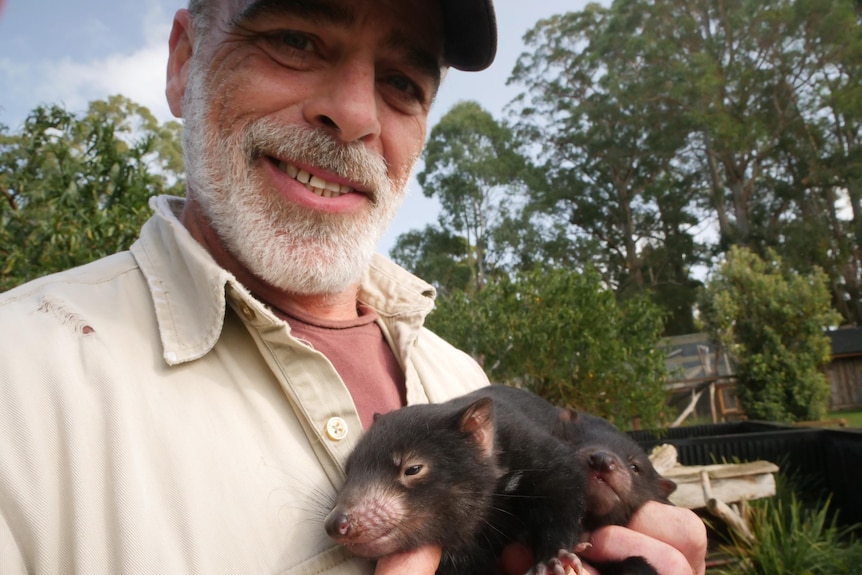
point(846, 341)
point(694, 357)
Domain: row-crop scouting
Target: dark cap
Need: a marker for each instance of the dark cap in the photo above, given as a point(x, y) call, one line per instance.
point(471, 34)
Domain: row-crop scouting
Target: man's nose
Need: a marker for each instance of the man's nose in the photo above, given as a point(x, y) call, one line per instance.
point(346, 103)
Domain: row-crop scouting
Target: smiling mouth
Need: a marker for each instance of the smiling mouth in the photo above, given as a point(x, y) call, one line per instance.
point(317, 186)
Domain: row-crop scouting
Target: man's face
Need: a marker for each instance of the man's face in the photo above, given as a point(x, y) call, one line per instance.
point(303, 120)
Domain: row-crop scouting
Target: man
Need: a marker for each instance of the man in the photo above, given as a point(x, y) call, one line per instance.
point(186, 407)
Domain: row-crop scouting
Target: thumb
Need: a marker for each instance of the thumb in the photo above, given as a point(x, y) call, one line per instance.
point(419, 561)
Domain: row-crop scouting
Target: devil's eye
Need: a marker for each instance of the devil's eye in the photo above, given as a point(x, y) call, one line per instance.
point(413, 470)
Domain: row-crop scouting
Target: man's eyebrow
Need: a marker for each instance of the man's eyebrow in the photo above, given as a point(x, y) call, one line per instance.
point(420, 59)
point(339, 14)
point(313, 10)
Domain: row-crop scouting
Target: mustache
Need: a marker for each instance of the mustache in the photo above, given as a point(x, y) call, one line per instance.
point(316, 147)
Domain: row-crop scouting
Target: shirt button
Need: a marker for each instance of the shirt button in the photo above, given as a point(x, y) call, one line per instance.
point(336, 429)
point(247, 312)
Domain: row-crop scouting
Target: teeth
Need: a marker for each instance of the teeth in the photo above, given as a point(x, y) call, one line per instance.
point(316, 185)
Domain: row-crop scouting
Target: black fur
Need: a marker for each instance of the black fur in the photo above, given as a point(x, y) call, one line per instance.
point(472, 474)
point(620, 476)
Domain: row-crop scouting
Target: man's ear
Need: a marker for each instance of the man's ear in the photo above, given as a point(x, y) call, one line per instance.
point(180, 48)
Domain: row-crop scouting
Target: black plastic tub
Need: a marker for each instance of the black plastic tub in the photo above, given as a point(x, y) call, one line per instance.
point(825, 461)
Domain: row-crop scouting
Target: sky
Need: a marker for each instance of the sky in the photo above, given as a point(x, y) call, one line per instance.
point(71, 52)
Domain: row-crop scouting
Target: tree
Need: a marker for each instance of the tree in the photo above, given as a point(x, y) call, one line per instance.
point(76, 187)
point(602, 108)
point(832, 138)
point(652, 116)
point(563, 335)
point(776, 105)
point(473, 167)
point(437, 255)
point(771, 320)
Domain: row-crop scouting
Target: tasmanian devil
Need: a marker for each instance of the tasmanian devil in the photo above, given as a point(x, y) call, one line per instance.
point(471, 475)
point(619, 476)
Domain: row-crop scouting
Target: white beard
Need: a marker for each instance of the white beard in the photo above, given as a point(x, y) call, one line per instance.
point(291, 247)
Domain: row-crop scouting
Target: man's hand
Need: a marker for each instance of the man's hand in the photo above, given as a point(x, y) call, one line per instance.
point(421, 561)
point(672, 539)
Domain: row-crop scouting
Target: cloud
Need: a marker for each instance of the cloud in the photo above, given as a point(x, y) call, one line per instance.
point(138, 74)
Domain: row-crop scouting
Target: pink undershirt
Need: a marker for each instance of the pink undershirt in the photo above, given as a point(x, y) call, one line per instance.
point(360, 355)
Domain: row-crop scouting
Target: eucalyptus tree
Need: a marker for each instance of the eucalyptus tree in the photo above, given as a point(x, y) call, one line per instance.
point(604, 110)
point(473, 166)
point(653, 116)
point(436, 255)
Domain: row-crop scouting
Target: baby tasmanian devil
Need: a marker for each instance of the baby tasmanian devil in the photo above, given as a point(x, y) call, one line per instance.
point(471, 475)
point(619, 475)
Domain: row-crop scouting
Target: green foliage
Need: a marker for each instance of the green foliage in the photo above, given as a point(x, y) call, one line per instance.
point(645, 123)
point(648, 117)
point(437, 255)
point(473, 167)
point(793, 539)
point(75, 188)
point(771, 321)
point(602, 106)
point(563, 335)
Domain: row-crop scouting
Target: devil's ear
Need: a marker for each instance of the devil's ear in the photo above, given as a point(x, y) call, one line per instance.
point(568, 415)
point(666, 486)
point(478, 420)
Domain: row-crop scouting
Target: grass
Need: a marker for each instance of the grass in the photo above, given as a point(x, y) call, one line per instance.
point(854, 418)
point(794, 538)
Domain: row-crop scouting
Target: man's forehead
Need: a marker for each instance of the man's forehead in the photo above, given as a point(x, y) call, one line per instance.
point(467, 29)
point(422, 12)
point(418, 28)
point(334, 9)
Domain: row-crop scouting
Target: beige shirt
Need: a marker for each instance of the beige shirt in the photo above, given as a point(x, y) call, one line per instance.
point(155, 418)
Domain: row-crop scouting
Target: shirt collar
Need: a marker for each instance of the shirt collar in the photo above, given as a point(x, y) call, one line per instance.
point(188, 287)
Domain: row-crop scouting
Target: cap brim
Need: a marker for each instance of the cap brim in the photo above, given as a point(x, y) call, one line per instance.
point(471, 34)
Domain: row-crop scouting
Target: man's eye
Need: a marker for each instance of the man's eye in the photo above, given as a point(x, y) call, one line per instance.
point(402, 84)
point(295, 40)
point(290, 48)
point(404, 90)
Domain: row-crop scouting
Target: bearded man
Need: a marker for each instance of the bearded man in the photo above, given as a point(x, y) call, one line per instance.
point(186, 406)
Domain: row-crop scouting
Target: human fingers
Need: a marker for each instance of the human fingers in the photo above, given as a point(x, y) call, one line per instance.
point(517, 559)
point(679, 527)
point(419, 561)
point(616, 543)
point(673, 539)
